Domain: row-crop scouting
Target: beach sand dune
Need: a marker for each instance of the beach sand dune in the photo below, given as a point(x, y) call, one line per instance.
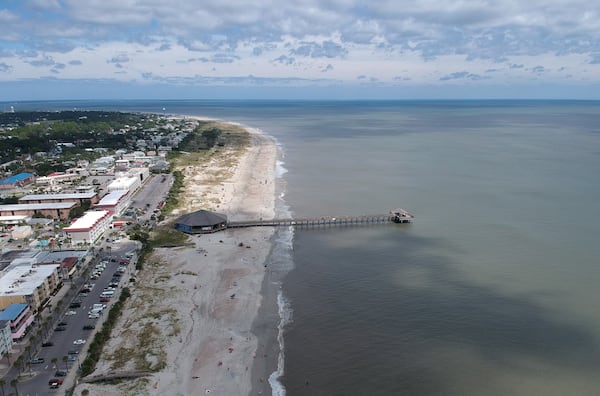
point(191, 312)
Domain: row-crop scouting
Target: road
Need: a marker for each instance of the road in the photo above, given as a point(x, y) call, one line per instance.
point(154, 192)
point(148, 199)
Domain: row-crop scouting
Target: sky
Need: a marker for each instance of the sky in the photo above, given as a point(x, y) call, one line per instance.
point(306, 49)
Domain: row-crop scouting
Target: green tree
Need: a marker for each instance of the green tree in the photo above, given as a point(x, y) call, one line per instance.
point(54, 360)
point(2, 383)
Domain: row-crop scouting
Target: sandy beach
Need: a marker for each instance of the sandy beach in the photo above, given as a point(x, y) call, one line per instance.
point(192, 317)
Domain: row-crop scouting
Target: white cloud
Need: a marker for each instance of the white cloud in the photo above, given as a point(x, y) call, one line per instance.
point(388, 41)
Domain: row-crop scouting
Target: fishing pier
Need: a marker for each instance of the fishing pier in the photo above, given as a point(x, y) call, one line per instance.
point(205, 222)
point(396, 216)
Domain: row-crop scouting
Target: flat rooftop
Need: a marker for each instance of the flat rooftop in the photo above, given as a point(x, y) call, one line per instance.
point(41, 197)
point(24, 279)
point(37, 206)
point(16, 178)
point(112, 198)
point(13, 311)
point(87, 221)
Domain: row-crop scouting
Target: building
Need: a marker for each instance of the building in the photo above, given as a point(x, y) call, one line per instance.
point(5, 338)
point(19, 318)
point(28, 284)
point(201, 222)
point(55, 210)
point(54, 180)
point(21, 232)
point(115, 201)
point(79, 198)
point(12, 220)
point(121, 165)
point(89, 227)
point(15, 181)
point(143, 173)
point(126, 183)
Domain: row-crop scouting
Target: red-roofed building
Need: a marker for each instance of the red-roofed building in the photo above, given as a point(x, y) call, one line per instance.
point(89, 227)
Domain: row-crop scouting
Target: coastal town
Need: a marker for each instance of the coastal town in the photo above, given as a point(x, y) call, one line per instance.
point(62, 228)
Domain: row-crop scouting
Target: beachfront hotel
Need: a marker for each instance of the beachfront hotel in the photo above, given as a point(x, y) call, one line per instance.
point(90, 227)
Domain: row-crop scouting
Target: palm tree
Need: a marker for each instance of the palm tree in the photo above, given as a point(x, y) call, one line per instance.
point(19, 363)
point(66, 359)
point(7, 354)
point(14, 383)
point(2, 383)
point(54, 360)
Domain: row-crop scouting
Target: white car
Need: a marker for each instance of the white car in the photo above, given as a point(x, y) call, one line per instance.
point(69, 313)
point(79, 342)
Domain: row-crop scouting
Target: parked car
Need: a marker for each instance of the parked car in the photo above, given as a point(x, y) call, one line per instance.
point(37, 360)
point(62, 323)
point(60, 328)
point(89, 327)
point(73, 352)
point(55, 383)
point(75, 304)
point(47, 344)
point(69, 313)
point(60, 373)
point(79, 342)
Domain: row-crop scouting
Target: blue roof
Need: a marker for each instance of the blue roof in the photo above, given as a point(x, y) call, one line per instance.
point(13, 311)
point(16, 178)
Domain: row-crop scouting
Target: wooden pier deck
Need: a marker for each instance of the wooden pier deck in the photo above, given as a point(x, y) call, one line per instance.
point(396, 216)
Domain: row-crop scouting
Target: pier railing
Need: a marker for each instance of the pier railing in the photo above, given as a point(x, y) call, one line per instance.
point(397, 216)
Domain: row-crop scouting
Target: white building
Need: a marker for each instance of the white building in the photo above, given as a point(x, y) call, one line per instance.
point(142, 173)
point(126, 183)
point(11, 220)
point(5, 337)
point(115, 201)
point(89, 227)
point(57, 179)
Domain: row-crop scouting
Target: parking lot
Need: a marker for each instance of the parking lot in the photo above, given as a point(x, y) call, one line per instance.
point(87, 300)
point(63, 350)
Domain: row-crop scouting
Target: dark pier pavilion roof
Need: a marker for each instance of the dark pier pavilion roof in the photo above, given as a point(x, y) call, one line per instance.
point(202, 218)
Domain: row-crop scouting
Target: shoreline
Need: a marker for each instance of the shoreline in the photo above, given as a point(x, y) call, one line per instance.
point(206, 312)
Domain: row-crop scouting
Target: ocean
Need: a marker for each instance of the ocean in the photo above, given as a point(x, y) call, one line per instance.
point(491, 290)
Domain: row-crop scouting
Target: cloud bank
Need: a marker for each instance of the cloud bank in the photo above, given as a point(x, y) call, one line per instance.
point(383, 43)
